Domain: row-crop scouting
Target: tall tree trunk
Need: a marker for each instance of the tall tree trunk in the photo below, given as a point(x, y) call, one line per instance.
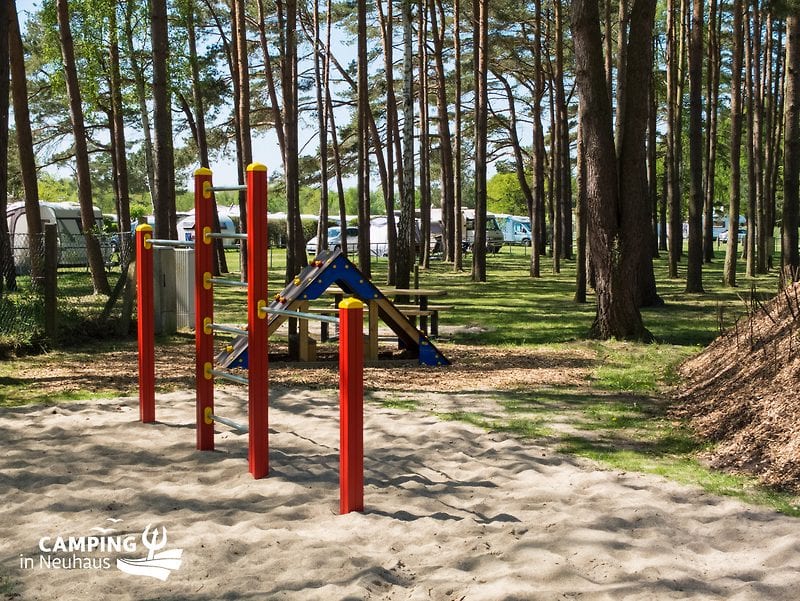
point(93, 252)
point(694, 262)
point(652, 154)
point(27, 157)
point(362, 136)
point(142, 96)
point(405, 233)
point(458, 218)
point(563, 154)
point(734, 201)
point(580, 259)
point(758, 143)
point(201, 138)
point(712, 96)
point(536, 208)
point(119, 149)
point(481, 61)
point(675, 127)
point(424, 138)
point(387, 38)
point(242, 104)
point(615, 220)
point(320, 80)
point(164, 164)
point(277, 116)
point(790, 259)
point(295, 243)
point(8, 278)
point(752, 191)
point(443, 121)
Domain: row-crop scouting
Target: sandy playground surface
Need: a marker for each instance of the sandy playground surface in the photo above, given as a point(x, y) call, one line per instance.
point(452, 513)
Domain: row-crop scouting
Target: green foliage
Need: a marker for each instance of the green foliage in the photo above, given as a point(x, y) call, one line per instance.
point(504, 195)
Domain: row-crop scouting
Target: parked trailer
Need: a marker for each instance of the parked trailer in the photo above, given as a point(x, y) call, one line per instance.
point(71, 241)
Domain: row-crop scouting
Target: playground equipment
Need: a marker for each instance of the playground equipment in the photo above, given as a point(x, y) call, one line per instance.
point(257, 334)
point(329, 268)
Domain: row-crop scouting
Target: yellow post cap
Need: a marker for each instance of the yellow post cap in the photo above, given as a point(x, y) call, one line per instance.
point(144, 227)
point(202, 171)
point(351, 303)
point(256, 167)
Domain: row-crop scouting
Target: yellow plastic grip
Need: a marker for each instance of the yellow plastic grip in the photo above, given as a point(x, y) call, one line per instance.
point(260, 306)
point(207, 189)
point(207, 416)
point(207, 370)
point(207, 280)
point(207, 235)
point(207, 325)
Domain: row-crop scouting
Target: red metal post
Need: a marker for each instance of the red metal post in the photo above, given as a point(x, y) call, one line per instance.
point(257, 320)
point(145, 326)
point(351, 406)
point(203, 308)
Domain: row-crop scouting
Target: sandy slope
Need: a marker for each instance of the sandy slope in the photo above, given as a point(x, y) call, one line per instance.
point(452, 513)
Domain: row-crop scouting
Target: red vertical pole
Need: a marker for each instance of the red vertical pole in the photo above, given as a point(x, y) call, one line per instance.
point(145, 326)
point(257, 321)
point(351, 406)
point(203, 308)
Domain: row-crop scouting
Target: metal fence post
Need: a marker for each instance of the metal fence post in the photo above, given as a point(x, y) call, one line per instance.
point(50, 280)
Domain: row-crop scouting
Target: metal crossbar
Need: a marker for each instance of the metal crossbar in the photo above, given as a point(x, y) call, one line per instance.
point(230, 423)
point(172, 243)
point(227, 282)
point(218, 327)
point(232, 377)
point(301, 315)
point(228, 236)
point(228, 188)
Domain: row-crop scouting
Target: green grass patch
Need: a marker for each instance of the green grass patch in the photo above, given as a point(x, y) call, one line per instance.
point(524, 428)
point(403, 404)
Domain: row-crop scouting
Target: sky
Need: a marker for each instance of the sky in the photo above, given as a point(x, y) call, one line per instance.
point(265, 147)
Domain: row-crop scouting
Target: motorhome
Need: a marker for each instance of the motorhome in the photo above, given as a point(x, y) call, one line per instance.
point(516, 229)
point(71, 241)
point(494, 236)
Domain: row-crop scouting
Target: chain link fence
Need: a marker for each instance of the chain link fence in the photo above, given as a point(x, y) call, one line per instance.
point(48, 299)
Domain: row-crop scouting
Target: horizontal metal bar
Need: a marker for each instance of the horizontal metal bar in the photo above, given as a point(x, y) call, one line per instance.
point(227, 282)
point(228, 236)
point(232, 377)
point(172, 243)
point(301, 315)
point(228, 188)
point(218, 327)
point(231, 423)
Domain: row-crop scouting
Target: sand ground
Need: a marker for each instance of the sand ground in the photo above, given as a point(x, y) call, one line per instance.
point(452, 513)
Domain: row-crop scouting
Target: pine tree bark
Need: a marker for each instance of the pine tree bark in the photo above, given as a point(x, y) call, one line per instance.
point(611, 188)
point(790, 258)
point(694, 262)
point(712, 97)
point(84, 182)
point(734, 200)
point(27, 157)
point(405, 231)
point(8, 277)
point(458, 217)
point(481, 64)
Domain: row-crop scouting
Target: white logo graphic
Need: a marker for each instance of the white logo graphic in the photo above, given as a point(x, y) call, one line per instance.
point(155, 565)
point(98, 552)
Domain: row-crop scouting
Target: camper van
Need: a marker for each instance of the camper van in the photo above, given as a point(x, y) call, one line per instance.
point(494, 237)
point(186, 227)
point(71, 242)
point(516, 230)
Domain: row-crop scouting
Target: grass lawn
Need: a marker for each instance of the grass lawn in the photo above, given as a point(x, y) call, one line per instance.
point(618, 414)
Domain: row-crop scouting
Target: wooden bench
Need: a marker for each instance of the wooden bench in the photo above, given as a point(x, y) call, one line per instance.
point(431, 311)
